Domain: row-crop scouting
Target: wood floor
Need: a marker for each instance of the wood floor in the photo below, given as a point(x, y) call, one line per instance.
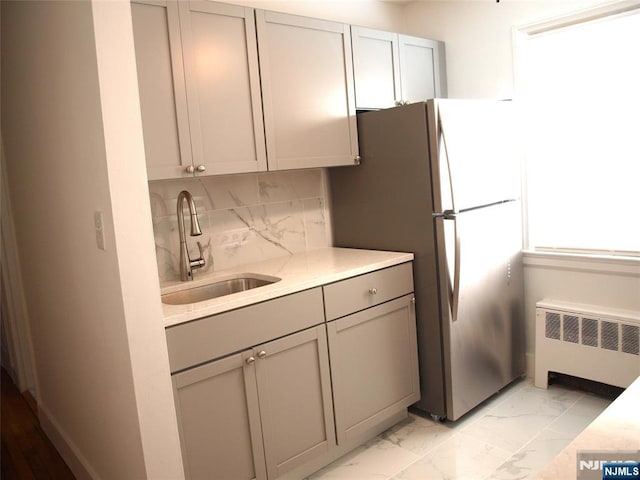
point(27, 453)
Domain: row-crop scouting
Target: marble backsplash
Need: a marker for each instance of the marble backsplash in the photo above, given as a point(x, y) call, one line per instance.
point(244, 218)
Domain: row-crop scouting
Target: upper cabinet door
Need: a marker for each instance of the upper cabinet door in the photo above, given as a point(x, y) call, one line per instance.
point(422, 69)
point(223, 88)
point(376, 68)
point(162, 92)
point(307, 89)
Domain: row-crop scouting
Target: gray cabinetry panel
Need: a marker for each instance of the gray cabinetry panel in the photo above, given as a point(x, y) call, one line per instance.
point(202, 340)
point(374, 361)
point(357, 293)
point(219, 420)
point(294, 388)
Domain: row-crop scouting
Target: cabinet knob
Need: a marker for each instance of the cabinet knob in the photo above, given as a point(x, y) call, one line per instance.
point(250, 360)
point(189, 169)
point(373, 291)
point(357, 160)
point(200, 168)
point(413, 300)
point(262, 354)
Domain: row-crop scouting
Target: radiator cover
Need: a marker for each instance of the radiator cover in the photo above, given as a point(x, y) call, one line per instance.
point(586, 341)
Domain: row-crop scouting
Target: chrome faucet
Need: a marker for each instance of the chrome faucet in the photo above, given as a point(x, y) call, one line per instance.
point(186, 264)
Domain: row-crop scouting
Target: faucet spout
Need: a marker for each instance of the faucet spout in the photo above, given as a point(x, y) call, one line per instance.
point(186, 264)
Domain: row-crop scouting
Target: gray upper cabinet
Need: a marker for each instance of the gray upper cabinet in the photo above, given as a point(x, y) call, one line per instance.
point(210, 107)
point(390, 68)
point(223, 87)
point(422, 69)
point(376, 68)
point(307, 89)
point(199, 88)
point(163, 101)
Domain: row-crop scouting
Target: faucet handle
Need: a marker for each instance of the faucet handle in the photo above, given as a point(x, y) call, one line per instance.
point(198, 262)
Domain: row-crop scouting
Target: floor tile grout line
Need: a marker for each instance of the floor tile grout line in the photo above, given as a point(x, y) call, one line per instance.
point(409, 450)
point(581, 395)
point(421, 457)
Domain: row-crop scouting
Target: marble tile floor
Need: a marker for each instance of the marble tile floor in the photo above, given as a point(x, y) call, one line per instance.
point(511, 436)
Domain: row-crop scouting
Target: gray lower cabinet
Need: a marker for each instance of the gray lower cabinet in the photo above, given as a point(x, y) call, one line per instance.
point(259, 413)
point(219, 420)
point(294, 390)
point(374, 365)
point(373, 351)
point(273, 389)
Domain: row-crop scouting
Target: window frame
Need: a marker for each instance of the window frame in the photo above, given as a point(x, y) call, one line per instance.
point(520, 35)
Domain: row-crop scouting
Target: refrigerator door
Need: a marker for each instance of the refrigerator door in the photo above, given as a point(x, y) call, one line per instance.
point(474, 153)
point(481, 293)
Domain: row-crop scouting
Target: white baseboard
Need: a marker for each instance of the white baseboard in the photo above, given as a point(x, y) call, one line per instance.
point(67, 449)
point(530, 359)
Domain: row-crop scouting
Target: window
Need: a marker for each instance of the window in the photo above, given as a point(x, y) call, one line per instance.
point(579, 82)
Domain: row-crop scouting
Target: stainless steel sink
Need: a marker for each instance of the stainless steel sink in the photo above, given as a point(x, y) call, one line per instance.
point(217, 289)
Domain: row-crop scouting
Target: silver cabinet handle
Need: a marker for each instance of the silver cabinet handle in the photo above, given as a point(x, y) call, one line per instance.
point(357, 160)
point(200, 168)
point(250, 360)
point(262, 354)
point(373, 291)
point(189, 169)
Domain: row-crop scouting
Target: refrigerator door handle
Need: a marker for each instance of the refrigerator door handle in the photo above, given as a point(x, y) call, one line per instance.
point(452, 214)
point(455, 293)
point(449, 177)
point(452, 280)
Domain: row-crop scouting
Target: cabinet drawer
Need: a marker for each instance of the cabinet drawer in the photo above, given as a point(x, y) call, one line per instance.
point(364, 291)
point(212, 337)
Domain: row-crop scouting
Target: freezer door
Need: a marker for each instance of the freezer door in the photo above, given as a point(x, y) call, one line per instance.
point(475, 155)
point(481, 303)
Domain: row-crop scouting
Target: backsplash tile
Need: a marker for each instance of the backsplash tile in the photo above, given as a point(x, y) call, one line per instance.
point(244, 218)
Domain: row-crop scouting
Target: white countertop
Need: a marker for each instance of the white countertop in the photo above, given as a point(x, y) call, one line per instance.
point(615, 429)
point(297, 272)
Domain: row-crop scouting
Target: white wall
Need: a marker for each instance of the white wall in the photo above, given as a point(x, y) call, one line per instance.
point(72, 134)
point(477, 35)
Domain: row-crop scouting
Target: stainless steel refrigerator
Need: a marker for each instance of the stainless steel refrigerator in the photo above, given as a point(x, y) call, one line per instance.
point(441, 179)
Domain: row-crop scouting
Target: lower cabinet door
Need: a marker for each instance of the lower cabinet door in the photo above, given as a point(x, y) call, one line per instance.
point(219, 420)
point(374, 365)
point(294, 388)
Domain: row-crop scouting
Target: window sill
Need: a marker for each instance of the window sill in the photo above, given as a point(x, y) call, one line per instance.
point(583, 262)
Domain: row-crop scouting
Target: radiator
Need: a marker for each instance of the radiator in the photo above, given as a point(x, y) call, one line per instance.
point(586, 341)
